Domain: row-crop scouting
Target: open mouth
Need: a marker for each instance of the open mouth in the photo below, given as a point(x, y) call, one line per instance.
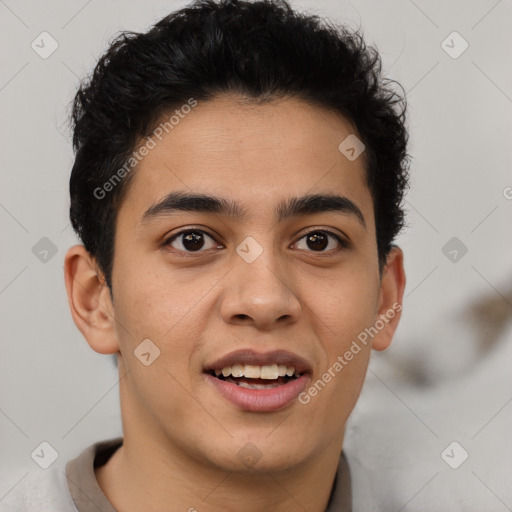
point(257, 377)
point(259, 382)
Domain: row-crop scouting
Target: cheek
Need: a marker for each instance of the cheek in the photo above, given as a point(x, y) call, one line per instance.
point(342, 312)
point(148, 307)
point(166, 307)
point(346, 349)
point(345, 305)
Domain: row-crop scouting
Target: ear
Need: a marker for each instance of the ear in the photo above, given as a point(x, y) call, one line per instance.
point(89, 300)
point(390, 298)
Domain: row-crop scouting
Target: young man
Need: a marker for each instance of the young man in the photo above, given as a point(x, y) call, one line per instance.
point(237, 188)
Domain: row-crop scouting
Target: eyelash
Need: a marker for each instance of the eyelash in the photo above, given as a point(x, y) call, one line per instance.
point(343, 243)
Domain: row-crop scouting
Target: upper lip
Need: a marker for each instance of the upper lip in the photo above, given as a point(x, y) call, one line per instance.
point(252, 357)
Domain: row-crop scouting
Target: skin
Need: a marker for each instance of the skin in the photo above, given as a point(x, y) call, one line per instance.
point(181, 437)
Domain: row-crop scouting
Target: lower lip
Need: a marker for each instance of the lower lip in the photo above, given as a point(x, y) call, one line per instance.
point(260, 400)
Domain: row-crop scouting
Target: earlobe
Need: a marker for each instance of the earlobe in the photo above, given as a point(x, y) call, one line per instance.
point(390, 299)
point(89, 301)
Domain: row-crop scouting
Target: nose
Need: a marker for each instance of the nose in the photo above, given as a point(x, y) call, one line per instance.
point(259, 294)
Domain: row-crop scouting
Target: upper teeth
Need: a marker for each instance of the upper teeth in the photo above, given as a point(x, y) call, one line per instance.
point(272, 371)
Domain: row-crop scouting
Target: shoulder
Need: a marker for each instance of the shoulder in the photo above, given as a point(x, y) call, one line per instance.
point(37, 490)
point(34, 489)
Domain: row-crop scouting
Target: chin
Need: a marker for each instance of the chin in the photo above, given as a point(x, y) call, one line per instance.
point(260, 455)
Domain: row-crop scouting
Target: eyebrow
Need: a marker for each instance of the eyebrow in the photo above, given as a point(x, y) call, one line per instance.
point(291, 207)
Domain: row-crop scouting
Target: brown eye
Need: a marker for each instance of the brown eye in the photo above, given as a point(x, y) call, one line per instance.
point(318, 241)
point(191, 241)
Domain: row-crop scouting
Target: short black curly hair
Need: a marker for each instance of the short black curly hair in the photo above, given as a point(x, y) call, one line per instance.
point(261, 50)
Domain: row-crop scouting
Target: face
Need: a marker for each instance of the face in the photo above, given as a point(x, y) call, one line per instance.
point(278, 282)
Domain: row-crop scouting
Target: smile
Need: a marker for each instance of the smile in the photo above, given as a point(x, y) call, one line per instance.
point(263, 387)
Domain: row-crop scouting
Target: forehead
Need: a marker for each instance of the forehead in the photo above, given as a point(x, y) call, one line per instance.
point(256, 154)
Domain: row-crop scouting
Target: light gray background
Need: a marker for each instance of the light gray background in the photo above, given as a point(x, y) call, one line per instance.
point(54, 388)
